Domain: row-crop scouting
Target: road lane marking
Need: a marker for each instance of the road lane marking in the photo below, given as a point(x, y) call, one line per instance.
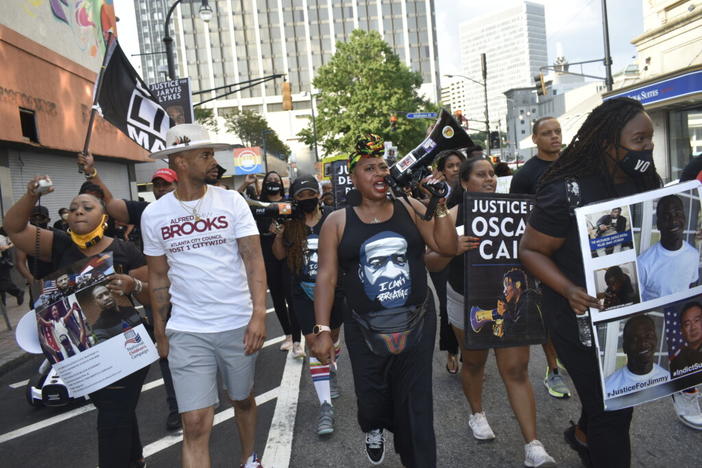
point(280, 434)
point(170, 440)
point(19, 384)
point(22, 431)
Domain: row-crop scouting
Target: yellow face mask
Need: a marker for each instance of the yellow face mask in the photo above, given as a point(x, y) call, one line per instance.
point(91, 238)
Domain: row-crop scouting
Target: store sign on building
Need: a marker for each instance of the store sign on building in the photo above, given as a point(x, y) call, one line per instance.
point(665, 90)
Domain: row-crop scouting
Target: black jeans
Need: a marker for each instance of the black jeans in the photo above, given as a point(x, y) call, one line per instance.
point(447, 339)
point(607, 431)
point(118, 430)
point(395, 393)
point(278, 278)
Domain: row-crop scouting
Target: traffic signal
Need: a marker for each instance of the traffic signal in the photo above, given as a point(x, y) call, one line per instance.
point(287, 96)
point(494, 159)
point(540, 84)
point(494, 140)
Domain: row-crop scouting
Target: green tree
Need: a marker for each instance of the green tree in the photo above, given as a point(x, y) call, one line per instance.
point(252, 128)
point(206, 118)
point(360, 88)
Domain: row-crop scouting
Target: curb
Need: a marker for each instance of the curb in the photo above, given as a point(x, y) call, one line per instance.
point(15, 362)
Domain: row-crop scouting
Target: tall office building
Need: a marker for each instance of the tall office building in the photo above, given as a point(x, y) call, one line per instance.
point(514, 41)
point(248, 39)
point(253, 38)
point(150, 16)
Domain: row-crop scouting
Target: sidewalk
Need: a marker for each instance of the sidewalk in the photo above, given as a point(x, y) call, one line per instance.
point(10, 352)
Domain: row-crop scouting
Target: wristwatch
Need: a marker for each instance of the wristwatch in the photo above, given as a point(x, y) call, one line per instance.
point(320, 328)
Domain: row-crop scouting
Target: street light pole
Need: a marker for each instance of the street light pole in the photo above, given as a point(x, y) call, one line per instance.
point(607, 58)
point(205, 15)
point(483, 64)
point(314, 127)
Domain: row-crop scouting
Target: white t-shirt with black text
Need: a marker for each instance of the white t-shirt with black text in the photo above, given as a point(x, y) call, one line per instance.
point(623, 381)
point(663, 272)
point(209, 289)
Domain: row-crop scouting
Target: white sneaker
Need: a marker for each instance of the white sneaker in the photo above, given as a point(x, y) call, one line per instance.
point(287, 344)
point(297, 351)
point(535, 455)
point(480, 427)
point(687, 407)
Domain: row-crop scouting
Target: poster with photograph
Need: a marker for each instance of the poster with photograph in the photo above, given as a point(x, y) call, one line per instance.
point(90, 335)
point(502, 301)
point(176, 98)
point(645, 271)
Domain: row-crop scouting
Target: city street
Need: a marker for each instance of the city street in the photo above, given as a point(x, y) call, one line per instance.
point(66, 437)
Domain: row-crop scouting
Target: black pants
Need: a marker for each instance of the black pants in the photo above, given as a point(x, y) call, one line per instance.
point(607, 431)
point(118, 431)
point(168, 385)
point(447, 339)
point(278, 278)
point(395, 393)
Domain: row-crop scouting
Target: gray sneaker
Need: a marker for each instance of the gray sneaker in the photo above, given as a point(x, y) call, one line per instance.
point(555, 385)
point(334, 389)
point(325, 424)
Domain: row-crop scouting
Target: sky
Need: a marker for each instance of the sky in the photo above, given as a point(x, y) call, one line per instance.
point(575, 24)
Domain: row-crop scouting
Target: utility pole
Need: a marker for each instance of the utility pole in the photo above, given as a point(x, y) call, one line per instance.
point(609, 82)
point(483, 64)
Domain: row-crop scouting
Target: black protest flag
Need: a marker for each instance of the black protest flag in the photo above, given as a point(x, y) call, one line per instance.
point(127, 103)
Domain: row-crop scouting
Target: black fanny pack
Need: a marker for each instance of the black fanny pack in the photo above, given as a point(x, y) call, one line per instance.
point(391, 331)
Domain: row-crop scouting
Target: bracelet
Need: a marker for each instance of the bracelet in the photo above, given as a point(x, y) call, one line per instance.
point(93, 175)
point(441, 211)
point(138, 286)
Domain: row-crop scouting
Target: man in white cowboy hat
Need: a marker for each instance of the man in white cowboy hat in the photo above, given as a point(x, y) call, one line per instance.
point(208, 292)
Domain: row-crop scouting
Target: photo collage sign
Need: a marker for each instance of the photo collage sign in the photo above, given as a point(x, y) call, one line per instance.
point(641, 256)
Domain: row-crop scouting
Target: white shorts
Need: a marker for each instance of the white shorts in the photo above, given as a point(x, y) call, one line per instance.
point(195, 358)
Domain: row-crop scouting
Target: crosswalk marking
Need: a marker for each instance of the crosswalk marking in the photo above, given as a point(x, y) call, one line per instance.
point(170, 440)
point(8, 436)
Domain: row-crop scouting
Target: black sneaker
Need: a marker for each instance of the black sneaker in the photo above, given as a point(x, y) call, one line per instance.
point(173, 422)
point(575, 444)
point(375, 446)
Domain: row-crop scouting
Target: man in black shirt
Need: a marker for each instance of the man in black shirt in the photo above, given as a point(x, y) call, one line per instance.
point(61, 224)
point(546, 135)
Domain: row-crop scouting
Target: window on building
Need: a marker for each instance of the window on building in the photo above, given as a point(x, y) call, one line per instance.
point(684, 139)
point(28, 124)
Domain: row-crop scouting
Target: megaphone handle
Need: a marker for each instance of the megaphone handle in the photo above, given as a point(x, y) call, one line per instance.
point(431, 207)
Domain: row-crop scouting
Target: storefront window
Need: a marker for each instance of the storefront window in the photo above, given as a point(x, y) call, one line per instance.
point(685, 138)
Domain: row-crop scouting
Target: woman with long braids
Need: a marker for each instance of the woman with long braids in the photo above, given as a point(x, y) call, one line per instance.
point(277, 273)
point(119, 445)
point(604, 160)
point(478, 175)
point(378, 246)
point(299, 244)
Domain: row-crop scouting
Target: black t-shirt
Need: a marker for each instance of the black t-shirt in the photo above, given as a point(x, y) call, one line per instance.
point(134, 210)
point(61, 225)
point(382, 264)
point(554, 215)
point(124, 254)
point(693, 168)
point(526, 178)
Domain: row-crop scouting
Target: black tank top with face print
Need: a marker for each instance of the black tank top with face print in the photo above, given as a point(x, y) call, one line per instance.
point(382, 264)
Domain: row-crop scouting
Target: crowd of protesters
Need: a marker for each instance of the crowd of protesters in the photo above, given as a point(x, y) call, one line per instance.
point(364, 267)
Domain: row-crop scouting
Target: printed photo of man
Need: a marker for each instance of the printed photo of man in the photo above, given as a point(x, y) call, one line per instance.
point(113, 319)
point(691, 330)
point(672, 264)
point(384, 270)
point(639, 343)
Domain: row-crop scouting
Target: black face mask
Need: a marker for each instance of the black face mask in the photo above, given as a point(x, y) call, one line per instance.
point(635, 163)
point(309, 205)
point(274, 188)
